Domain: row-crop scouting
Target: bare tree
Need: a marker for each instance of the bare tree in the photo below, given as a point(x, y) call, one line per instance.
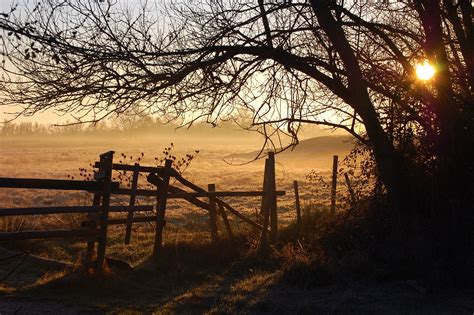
point(347, 65)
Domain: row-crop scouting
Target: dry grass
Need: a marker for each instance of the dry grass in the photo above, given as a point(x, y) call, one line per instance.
point(192, 275)
point(46, 159)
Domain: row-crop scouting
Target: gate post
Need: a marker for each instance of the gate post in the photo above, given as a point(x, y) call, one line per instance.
point(264, 210)
point(161, 207)
point(106, 161)
point(334, 184)
point(212, 213)
point(92, 224)
point(272, 197)
point(298, 206)
point(133, 195)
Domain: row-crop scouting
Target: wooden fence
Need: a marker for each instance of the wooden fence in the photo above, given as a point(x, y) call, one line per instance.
point(95, 228)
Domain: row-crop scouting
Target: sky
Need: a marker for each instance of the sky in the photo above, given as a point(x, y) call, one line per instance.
point(48, 117)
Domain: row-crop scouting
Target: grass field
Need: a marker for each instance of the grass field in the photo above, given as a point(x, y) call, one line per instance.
point(62, 158)
point(192, 275)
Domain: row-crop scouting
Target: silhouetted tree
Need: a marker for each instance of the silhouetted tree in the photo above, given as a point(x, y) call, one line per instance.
point(347, 65)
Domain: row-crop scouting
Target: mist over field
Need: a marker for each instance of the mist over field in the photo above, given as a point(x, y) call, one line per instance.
point(228, 157)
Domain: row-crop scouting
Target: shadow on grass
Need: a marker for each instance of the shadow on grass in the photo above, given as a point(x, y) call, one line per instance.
point(225, 277)
point(185, 278)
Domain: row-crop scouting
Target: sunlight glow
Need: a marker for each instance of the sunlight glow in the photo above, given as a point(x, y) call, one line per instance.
point(424, 71)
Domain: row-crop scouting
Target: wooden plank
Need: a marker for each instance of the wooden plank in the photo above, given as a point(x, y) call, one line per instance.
point(238, 214)
point(155, 180)
point(130, 208)
point(133, 195)
point(47, 210)
point(272, 198)
point(212, 213)
point(297, 204)
point(226, 222)
point(150, 218)
point(187, 183)
point(72, 209)
point(99, 175)
point(184, 195)
point(161, 207)
point(131, 168)
point(59, 184)
point(190, 199)
point(223, 194)
point(25, 235)
point(334, 184)
point(106, 165)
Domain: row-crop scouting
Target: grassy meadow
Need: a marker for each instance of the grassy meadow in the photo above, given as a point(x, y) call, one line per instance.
point(192, 275)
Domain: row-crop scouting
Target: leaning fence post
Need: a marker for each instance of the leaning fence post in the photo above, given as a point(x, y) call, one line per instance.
point(263, 244)
point(225, 219)
point(161, 206)
point(272, 197)
point(298, 207)
point(264, 188)
point(133, 195)
point(212, 212)
point(334, 184)
point(106, 161)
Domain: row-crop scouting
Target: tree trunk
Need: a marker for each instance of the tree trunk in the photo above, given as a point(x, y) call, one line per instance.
point(389, 162)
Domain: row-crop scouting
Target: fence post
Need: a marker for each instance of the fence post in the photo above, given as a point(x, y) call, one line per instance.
point(334, 184)
point(264, 210)
point(92, 224)
point(161, 207)
point(264, 188)
point(226, 222)
point(212, 212)
point(298, 207)
point(272, 197)
point(133, 195)
point(106, 160)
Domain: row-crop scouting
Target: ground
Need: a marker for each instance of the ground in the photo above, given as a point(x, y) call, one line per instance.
point(241, 286)
point(191, 275)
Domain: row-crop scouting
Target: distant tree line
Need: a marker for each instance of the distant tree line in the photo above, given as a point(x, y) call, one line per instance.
point(117, 125)
point(34, 128)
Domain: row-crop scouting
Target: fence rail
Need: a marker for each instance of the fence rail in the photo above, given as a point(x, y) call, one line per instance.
point(95, 227)
point(131, 168)
point(24, 235)
point(184, 194)
point(57, 184)
point(6, 212)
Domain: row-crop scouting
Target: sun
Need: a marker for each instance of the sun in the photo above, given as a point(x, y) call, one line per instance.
point(424, 71)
